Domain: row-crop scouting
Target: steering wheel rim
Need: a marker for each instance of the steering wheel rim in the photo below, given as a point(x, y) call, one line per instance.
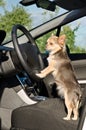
point(18, 51)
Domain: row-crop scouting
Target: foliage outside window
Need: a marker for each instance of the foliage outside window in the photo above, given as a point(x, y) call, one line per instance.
point(70, 40)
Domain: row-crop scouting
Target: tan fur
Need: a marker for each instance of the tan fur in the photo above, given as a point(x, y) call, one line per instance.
point(61, 69)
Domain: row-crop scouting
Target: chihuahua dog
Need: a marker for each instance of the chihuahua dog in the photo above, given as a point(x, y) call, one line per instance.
point(59, 65)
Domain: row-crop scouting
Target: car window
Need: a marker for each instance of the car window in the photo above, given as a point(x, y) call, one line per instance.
point(75, 36)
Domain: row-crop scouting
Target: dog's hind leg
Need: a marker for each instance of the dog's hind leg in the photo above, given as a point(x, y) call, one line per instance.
point(69, 110)
point(69, 106)
point(75, 111)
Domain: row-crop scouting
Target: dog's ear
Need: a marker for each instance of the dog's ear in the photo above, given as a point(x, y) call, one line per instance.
point(61, 39)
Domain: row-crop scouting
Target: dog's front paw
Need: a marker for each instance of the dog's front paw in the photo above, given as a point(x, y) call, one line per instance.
point(40, 75)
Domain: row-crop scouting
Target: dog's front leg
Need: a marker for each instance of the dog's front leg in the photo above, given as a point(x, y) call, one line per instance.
point(45, 72)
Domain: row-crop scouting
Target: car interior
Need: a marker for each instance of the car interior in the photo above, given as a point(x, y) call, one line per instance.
point(26, 101)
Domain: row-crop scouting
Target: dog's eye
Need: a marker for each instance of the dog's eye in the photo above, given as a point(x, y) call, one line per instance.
point(51, 43)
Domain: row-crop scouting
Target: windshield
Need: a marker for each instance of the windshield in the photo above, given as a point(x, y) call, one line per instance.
point(12, 12)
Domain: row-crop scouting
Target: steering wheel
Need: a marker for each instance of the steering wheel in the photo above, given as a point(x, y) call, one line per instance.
point(28, 53)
